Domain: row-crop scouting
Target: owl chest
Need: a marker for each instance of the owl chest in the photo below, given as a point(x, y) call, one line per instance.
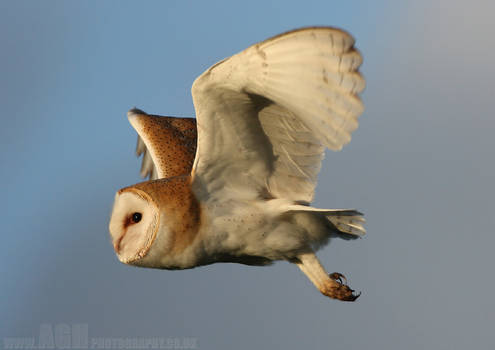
point(238, 220)
point(244, 229)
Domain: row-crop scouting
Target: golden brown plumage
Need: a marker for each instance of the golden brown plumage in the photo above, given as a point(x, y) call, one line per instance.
point(170, 141)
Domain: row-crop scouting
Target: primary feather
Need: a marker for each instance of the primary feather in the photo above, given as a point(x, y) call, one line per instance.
point(272, 109)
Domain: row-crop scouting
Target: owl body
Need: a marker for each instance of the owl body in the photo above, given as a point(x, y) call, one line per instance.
point(236, 185)
point(258, 233)
point(251, 232)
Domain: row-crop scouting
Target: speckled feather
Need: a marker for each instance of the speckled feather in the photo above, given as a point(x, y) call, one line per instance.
point(170, 142)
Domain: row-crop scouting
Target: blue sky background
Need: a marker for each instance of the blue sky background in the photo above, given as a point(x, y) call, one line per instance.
point(421, 167)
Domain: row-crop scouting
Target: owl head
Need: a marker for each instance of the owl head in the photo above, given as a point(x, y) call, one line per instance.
point(153, 222)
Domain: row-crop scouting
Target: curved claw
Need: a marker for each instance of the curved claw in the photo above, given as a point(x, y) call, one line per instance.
point(338, 277)
point(352, 296)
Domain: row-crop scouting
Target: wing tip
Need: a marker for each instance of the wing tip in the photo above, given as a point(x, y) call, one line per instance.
point(134, 112)
point(323, 28)
point(133, 116)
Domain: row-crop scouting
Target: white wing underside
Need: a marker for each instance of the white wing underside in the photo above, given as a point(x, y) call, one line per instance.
point(266, 115)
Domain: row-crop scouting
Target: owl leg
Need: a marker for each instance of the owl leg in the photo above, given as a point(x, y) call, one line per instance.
point(333, 285)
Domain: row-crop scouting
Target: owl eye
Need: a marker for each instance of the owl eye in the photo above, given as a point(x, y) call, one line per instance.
point(136, 217)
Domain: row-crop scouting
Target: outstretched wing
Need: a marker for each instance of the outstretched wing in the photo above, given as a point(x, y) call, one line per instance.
point(168, 144)
point(266, 114)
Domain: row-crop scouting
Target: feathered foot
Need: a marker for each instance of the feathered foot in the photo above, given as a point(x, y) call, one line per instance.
point(333, 285)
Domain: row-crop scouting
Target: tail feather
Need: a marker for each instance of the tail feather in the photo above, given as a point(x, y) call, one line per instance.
point(351, 224)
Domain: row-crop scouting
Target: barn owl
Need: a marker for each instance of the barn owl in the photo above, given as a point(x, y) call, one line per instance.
point(235, 184)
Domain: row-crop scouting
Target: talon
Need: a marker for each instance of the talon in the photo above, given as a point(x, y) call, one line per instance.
point(338, 277)
point(340, 290)
point(332, 285)
point(352, 297)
